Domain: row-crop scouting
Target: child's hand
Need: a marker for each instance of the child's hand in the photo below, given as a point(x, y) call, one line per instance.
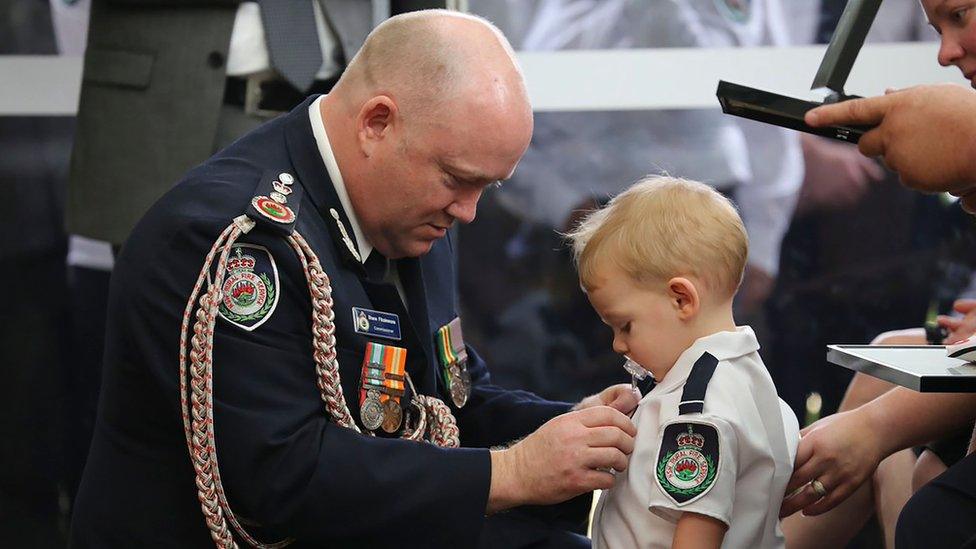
point(621, 397)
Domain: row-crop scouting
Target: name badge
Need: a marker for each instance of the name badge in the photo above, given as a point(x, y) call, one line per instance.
point(376, 323)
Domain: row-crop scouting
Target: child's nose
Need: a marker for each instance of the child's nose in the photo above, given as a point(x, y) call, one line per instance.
point(619, 346)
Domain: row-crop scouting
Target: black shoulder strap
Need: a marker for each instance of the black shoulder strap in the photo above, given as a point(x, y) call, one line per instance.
point(276, 202)
point(693, 396)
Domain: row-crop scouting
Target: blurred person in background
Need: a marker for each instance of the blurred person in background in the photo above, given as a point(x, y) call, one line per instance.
point(548, 339)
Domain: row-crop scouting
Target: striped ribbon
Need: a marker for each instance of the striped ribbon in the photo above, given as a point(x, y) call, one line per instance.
point(390, 373)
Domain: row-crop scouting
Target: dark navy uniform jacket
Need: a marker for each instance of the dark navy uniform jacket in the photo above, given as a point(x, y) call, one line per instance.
point(284, 464)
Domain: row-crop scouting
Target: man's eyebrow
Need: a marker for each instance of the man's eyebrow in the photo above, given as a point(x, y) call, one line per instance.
point(472, 176)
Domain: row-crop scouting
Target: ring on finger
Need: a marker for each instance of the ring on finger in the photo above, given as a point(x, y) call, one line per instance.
point(818, 488)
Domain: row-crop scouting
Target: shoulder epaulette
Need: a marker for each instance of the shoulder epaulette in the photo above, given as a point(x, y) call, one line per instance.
point(693, 396)
point(276, 202)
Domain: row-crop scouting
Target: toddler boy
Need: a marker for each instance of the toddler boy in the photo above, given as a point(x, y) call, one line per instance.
point(715, 445)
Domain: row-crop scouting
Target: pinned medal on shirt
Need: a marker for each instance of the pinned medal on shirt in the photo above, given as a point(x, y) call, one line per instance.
point(250, 292)
point(454, 361)
point(688, 460)
point(381, 387)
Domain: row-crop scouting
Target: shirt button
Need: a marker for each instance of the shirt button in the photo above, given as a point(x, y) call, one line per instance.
point(215, 59)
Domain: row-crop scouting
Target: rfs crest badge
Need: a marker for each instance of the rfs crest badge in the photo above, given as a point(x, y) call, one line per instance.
point(688, 460)
point(250, 290)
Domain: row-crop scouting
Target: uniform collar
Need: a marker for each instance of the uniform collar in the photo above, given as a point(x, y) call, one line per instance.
point(311, 172)
point(332, 166)
point(722, 345)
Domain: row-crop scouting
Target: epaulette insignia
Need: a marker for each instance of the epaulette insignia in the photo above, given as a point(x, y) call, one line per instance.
point(276, 202)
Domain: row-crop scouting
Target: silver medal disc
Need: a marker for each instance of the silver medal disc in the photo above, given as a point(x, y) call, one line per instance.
point(460, 384)
point(371, 412)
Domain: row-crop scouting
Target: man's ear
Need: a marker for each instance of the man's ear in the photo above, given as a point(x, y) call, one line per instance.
point(684, 297)
point(375, 121)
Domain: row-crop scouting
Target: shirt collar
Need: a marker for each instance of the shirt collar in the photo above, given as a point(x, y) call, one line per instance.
point(722, 345)
point(332, 166)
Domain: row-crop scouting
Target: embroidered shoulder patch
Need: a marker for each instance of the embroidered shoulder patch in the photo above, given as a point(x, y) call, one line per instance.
point(688, 460)
point(250, 290)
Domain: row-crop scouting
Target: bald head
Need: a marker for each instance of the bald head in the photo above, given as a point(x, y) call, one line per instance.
point(430, 60)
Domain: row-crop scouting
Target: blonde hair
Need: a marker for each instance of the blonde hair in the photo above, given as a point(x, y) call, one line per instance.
point(662, 227)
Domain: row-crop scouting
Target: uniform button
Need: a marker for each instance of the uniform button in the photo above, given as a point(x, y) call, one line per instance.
point(215, 59)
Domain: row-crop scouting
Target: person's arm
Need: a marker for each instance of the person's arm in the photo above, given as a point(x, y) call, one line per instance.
point(696, 531)
point(566, 457)
point(927, 134)
point(841, 451)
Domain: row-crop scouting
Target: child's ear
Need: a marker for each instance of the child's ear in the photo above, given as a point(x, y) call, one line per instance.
point(684, 297)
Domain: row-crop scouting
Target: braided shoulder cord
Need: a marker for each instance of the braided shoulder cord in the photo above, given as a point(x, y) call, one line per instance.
point(435, 422)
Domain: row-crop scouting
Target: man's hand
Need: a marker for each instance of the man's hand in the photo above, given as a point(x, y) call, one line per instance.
point(621, 397)
point(569, 455)
point(927, 134)
point(841, 451)
point(960, 328)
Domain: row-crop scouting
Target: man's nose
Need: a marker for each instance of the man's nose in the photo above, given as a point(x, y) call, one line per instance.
point(465, 205)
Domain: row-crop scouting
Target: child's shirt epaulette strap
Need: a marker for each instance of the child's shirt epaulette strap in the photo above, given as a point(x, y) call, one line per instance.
point(693, 396)
point(276, 202)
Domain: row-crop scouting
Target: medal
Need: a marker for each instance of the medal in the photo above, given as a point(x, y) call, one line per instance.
point(371, 411)
point(392, 415)
point(381, 387)
point(459, 386)
point(454, 362)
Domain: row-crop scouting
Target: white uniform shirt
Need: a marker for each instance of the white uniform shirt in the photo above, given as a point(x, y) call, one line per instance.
point(757, 438)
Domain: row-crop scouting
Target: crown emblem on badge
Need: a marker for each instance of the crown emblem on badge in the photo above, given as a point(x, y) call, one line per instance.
point(241, 262)
point(690, 440)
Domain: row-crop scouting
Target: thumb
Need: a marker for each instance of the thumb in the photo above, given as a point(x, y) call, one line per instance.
point(626, 401)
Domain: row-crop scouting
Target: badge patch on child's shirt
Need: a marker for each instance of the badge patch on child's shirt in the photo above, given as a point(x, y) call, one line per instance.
point(688, 460)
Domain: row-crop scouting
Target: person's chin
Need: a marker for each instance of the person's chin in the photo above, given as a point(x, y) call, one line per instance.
point(417, 248)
